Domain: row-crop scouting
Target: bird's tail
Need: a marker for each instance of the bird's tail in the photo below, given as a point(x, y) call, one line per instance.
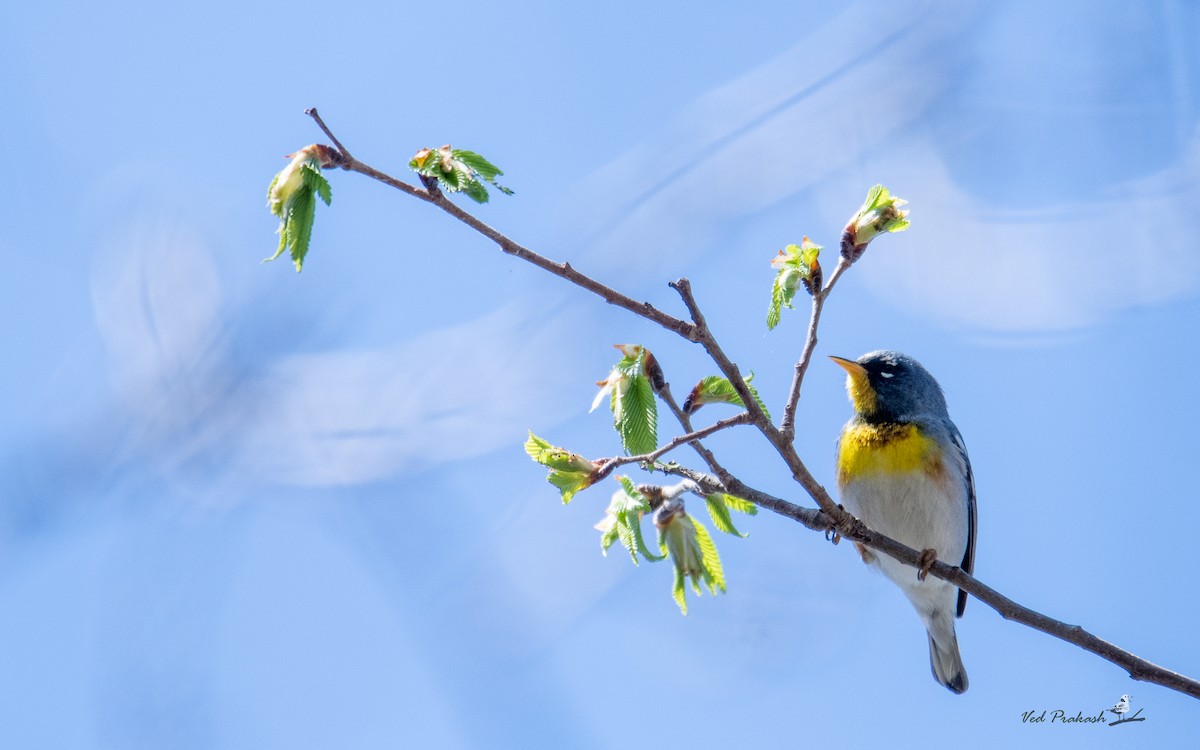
point(946, 662)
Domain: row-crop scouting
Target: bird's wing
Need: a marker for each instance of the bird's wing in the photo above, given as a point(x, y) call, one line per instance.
point(968, 561)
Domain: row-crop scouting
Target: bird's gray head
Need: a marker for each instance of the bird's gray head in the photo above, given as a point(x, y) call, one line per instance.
point(888, 386)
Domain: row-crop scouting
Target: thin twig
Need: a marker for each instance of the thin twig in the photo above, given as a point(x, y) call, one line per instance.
point(686, 422)
point(783, 445)
point(312, 112)
point(562, 270)
point(608, 464)
point(787, 425)
point(706, 339)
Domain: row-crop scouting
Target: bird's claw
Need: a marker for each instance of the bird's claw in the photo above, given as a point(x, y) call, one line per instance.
point(832, 534)
point(927, 559)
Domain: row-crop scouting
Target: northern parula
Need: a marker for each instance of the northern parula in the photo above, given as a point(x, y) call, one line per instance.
point(903, 470)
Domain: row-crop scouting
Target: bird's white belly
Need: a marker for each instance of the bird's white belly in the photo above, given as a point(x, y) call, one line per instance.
point(921, 512)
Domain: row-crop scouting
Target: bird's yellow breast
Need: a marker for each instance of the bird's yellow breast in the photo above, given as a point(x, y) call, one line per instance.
point(887, 449)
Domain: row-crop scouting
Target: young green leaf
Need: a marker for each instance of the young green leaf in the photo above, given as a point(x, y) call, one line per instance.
point(692, 552)
point(631, 398)
point(569, 472)
point(476, 192)
point(678, 591)
point(719, 512)
point(298, 225)
point(715, 389)
point(458, 171)
point(637, 417)
point(633, 517)
point(485, 168)
point(741, 506)
point(314, 179)
point(713, 573)
point(623, 521)
point(608, 534)
point(291, 197)
point(879, 213)
point(797, 266)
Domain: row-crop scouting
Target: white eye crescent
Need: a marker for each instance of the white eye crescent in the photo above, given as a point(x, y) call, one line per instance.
point(887, 374)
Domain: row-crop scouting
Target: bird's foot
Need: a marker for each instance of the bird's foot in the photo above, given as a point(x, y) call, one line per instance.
point(927, 559)
point(831, 531)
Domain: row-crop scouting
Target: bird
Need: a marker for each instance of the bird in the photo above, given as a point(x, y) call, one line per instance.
point(1122, 707)
point(903, 470)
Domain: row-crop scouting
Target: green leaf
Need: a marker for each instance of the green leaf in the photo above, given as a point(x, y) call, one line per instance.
point(879, 213)
point(631, 398)
point(291, 198)
point(451, 181)
point(640, 541)
point(535, 446)
point(314, 180)
point(634, 499)
point(277, 210)
point(623, 521)
point(282, 242)
point(628, 540)
point(734, 502)
point(476, 191)
point(629, 515)
point(299, 225)
point(608, 537)
point(678, 593)
point(715, 389)
point(875, 198)
point(778, 300)
point(569, 472)
point(714, 574)
point(568, 483)
point(797, 266)
point(719, 512)
point(485, 168)
point(462, 171)
point(637, 417)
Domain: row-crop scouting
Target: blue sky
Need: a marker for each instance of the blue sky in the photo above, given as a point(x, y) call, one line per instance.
point(245, 508)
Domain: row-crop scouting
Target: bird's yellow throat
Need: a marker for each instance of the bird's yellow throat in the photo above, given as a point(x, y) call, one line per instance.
point(858, 385)
point(887, 449)
point(861, 393)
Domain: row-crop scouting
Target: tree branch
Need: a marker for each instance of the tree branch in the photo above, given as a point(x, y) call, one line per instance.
point(787, 425)
point(783, 444)
point(608, 464)
point(706, 339)
point(562, 270)
point(312, 112)
point(1137, 667)
point(831, 516)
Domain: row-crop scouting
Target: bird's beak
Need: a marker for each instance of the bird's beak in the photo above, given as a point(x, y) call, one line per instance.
point(862, 395)
point(855, 370)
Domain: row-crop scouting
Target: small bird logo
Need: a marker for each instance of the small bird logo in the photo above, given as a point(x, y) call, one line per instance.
point(1122, 707)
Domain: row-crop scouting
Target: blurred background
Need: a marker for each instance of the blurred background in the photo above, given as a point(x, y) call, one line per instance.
point(245, 508)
